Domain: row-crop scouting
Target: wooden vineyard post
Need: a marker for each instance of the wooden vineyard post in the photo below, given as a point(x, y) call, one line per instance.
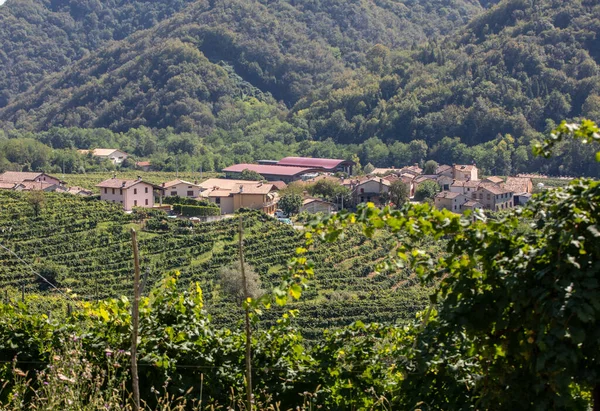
point(135, 314)
point(247, 315)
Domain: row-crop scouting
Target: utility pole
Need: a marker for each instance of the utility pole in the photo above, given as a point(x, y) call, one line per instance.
point(249, 405)
point(135, 314)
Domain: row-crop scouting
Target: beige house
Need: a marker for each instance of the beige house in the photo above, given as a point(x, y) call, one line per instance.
point(493, 197)
point(231, 195)
point(315, 205)
point(129, 193)
point(444, 170)
point(465, 172)
point(370, 190)
point(450, 201)
point(182, 188)
point(519, 185)
point(114, 155)
point(465, 187)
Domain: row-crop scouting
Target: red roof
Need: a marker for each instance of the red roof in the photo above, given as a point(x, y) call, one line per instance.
point(269, 170)
point(325, 163)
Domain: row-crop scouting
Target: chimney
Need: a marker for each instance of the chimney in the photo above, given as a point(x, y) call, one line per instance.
point(114, 175)
point(139, 178)
point(123, 184)
point(196, 182)
point(241, 189)
point(163, 184)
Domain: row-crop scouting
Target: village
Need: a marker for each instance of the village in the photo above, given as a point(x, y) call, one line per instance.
point(261, 186)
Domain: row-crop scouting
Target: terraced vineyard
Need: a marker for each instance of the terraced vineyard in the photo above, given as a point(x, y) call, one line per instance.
point(85, 245)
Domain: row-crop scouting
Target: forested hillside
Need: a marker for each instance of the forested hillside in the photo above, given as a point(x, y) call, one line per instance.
point(389, 81)
point(44, 36)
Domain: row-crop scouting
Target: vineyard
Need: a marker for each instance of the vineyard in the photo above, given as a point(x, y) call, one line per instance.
point(89, 180)
point(84, 246)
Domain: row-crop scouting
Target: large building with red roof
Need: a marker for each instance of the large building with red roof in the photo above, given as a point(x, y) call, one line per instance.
point(271, 172)
point(325, 165)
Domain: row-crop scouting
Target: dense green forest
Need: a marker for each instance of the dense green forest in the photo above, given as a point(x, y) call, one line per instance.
point(394, 82)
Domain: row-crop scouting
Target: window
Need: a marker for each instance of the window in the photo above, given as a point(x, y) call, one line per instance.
point(106, 191)
point(362, 190)
point(190, 187)
point(190, 193)
point(218, 200)
point(173, 193)
point(135, 203)
point(146, 201)
point(135, 191)
point(120, 191)
point(113, 191)
point(455, 206)
point(489, 197)
point(362, 199)
point(146, 190)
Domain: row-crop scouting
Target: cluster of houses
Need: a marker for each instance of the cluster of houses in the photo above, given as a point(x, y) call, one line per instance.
point(459, 185)
point(30, 181)
point(461, 189)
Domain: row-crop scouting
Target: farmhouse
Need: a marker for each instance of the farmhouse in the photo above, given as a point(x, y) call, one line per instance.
point(494, 197)
point(450, 201)
point(129, 193)
point(465, 172)
point(30, 177)
point(371, 189)
point(231, 195)
point(114, 155)
point(315, 205)
point(182, 188)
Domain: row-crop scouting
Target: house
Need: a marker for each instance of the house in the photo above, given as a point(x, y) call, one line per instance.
point(143, 165)
point(464, 187)
point(494, 180)
point(80, 191)
point(231, 195)
point(287, 174)
point(444, 170)
point(371, 189)
point(521, 198)
point(450, 201)
point(323, 165)
point(493, 197)
point(11, 186)
point(114, 155)
point(519, 185)
point(315, 205)
point(41, 186)
point(181, 188)
point(465, 172)
point(32, 177)
point(129, 193)
point(471, 205)
point(415, 170)
point(443, 181)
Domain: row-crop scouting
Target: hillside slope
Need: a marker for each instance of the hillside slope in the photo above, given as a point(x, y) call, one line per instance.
point(45, 36)
point(285, 48)
point(510, 71)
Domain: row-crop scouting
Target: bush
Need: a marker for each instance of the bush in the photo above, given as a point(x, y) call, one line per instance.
point(196, 211)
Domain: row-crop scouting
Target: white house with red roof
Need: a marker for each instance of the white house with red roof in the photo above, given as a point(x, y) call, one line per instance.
point(129, 193)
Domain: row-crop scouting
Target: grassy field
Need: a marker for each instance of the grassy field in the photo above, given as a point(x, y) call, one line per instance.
point(85, 246)
point(89, 180)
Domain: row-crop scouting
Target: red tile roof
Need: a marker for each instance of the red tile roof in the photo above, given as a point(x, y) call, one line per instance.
point(270, 170)
point(143, 164)
point(176, 182)
point(325, 163)
point(18, 176)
